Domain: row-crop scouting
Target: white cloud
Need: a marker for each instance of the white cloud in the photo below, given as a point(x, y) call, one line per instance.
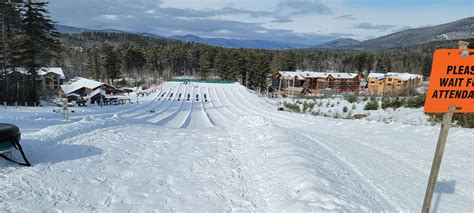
point(309, 21)
point(110, 17)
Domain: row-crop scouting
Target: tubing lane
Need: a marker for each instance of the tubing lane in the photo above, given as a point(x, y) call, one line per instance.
point(281, 115)
point(199, 115)
point(175, 119)
point(187, 120)
point(158, 103)
point(218, 118)
point(274, 115)
point(219, 106)
point(136, 111)
point(232, 107)
point(239, 106)
point(170, 103)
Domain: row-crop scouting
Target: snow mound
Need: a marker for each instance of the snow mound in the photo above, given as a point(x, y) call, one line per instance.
point(116, 117)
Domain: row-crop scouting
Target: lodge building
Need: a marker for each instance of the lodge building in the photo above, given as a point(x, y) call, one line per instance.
point(48, 81)
point(304, 82)
point(380, 83)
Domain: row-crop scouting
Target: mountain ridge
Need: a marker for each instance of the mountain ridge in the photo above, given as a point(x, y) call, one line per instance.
point(456, 30)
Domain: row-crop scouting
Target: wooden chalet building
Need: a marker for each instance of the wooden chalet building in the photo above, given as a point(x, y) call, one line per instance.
point(317, 82)
point(380, 83)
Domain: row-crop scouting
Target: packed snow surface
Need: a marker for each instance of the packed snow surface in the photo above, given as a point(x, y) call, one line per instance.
point(219, 147)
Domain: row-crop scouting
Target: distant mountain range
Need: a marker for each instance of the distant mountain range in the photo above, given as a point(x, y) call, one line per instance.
point(338, 43)
point(457, 30)
point(237, 43)
point(461, 29)
point(75, 30)
point(231, 43)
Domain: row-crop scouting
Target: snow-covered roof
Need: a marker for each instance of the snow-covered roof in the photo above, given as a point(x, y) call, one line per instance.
point(80, 83)
point(290, 74)
point(95, 92)
point(312, 74)
point(402, 76)
point(343, 75)
point(73, 94)
point(42, 71)
point(56, 70)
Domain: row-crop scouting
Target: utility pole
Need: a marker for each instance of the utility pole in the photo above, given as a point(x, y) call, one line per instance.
point(101, 96)
point(279, 85)
point(293, 90)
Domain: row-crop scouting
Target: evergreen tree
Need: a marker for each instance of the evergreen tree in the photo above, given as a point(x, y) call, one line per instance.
point(38, 43)
point(426, 69)
point(259, 70)
point(111, 63)
point(387, 63)
point(360, 62)
point(369, 63)
point(204, 64)
point(94, 65)
point(222, 64)
point(10, 27)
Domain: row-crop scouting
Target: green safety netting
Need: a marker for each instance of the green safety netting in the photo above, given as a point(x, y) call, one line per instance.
point(202, 81)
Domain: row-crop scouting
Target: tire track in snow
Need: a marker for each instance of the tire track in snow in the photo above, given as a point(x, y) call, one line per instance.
point(336, 158)
point(362, 178)
point(375, 154)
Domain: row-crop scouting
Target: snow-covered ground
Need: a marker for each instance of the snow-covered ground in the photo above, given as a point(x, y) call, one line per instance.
point(225, 149)
point(334, 108)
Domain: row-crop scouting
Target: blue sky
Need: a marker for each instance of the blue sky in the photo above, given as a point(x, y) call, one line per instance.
point(302, 21)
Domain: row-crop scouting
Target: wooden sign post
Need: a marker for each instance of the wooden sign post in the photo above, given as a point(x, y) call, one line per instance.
point(451, 90)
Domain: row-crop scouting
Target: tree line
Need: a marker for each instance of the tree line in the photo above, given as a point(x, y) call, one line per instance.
point(128, 59)
point(29, 41)
point(110, 56)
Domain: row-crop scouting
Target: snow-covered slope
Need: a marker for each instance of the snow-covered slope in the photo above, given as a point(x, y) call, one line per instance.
point(225, 149)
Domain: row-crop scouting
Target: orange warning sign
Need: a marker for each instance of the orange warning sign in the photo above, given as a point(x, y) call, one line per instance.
point(452, 81)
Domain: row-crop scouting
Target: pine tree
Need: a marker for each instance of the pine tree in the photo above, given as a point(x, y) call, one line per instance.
point(204, 64)
point(38, 43)
point(10, 26)
point(221, 65)
point(110, 63)
point(259, 69)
